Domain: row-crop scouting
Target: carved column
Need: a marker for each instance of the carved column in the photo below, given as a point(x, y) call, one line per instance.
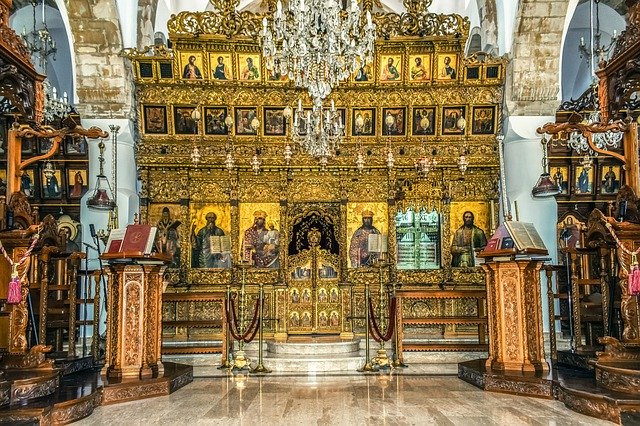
point(134, 320)
point(515, 316)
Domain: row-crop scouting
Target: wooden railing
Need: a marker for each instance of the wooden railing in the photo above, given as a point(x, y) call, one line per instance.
point(407, 319)
point(191, 320)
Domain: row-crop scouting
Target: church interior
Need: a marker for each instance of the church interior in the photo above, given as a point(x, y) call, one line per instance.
point(331, 212)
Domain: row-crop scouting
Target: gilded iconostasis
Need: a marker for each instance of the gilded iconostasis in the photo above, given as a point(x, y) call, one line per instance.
point(244, 202)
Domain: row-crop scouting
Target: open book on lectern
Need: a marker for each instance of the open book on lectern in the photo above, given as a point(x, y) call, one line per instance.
point(513, 237)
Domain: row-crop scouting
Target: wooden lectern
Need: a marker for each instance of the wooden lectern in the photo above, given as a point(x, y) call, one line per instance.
point(134, 315)
point(515, 316)
point(514, 304)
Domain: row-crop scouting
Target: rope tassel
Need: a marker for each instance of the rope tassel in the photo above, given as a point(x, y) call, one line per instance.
point(14, 295)
point(634, 276)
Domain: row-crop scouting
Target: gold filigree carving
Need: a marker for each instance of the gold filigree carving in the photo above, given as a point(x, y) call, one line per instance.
point(132, 335)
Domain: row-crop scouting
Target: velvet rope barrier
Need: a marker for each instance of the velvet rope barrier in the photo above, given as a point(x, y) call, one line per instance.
point(234, 328)
point(374, 327)
point(254, 321)
point(251, 331)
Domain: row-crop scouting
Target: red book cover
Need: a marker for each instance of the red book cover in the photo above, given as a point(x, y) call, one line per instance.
point(135, 239)
point(115, 240)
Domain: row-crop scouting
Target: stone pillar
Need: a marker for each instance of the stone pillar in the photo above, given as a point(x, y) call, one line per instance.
point(515, 316)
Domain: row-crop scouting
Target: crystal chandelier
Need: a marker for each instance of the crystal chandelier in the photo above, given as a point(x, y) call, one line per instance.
point(316, 45)
point(54, 106)
point(318, 131)
point(39, 41)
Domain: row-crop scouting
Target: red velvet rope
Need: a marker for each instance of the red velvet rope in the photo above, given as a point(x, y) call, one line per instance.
point(233, 322)
point(374, 328)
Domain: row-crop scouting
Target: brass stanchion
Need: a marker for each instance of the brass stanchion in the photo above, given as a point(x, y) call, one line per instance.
point(240, 361)
point(260, 368)
point(397, 362)
point(381, 360)
point(226, 363)
point(367, 367)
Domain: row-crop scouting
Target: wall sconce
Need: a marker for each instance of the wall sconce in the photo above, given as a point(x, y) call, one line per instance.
point(195, 156)
point(195, 153)
point(288, 154)
point(463, 164)
point(390, 158)
point(360, 162)
point(229, 162)
point(255, 162)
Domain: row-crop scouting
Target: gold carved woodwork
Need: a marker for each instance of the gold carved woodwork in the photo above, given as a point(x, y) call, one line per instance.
point(226, 21)
point(134, 321)
point(600, 225)
point(515, 316)
point(169, 177)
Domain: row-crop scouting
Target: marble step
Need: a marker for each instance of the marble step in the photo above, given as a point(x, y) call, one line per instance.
point(314, 365)
point(317, 349)
point(311, 356)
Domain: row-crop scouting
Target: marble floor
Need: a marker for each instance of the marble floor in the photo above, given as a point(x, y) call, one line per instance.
point(383, 399)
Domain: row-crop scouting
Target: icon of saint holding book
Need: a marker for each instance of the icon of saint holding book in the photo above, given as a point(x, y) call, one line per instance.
point(211, 245)
point(359, 253)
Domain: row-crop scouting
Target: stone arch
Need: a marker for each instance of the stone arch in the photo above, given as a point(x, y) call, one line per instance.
point(536, 58)
point(103, 78)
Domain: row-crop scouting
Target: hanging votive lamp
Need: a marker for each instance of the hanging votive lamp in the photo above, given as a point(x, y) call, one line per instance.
point(102, 198)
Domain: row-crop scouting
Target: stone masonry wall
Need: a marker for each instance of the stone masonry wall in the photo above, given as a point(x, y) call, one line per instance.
point(103, 79)
point(533, 78)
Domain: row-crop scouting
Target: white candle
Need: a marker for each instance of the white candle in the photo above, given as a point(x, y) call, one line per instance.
point(369, 23)
point(264, 25)
point(279, 8)
point(581, 41)
point(299, 104)
point(615, 33)
point(333, 105)
point(302, 5)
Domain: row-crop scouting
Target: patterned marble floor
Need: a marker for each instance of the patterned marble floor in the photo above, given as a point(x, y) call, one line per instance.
point(337, 400)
